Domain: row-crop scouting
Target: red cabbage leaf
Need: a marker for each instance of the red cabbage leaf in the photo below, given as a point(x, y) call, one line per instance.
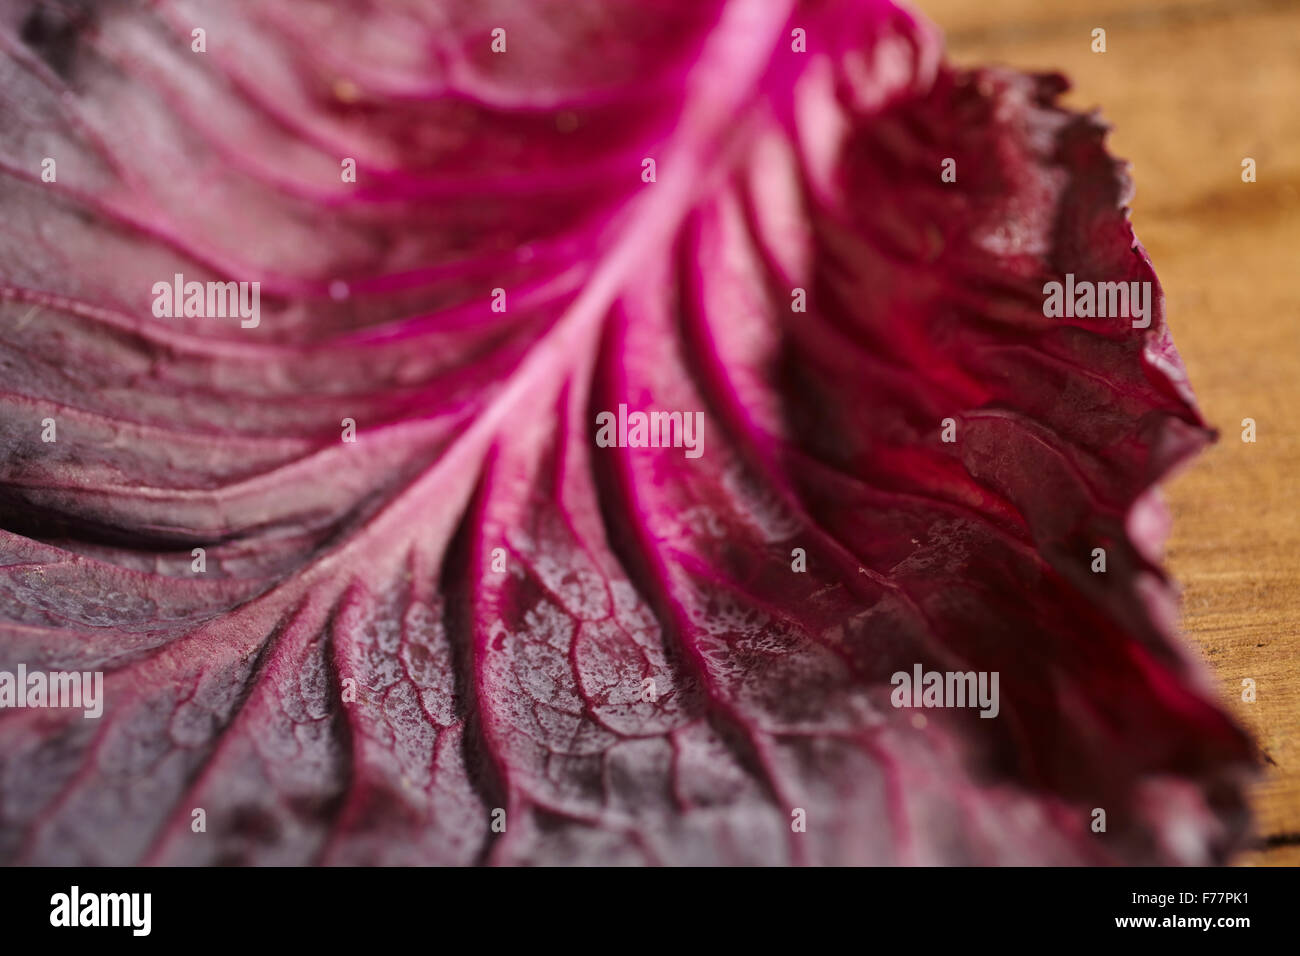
point(475, 634)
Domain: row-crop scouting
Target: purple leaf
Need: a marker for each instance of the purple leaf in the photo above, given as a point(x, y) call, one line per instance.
point(480, 632)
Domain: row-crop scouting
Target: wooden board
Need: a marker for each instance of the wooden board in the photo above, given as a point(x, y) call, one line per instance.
point(1192, 87)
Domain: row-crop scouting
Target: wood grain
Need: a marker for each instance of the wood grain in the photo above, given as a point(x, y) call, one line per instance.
point(1191, 88)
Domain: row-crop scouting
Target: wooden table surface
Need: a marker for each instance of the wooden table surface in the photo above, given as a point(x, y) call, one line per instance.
point(1192, 87)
